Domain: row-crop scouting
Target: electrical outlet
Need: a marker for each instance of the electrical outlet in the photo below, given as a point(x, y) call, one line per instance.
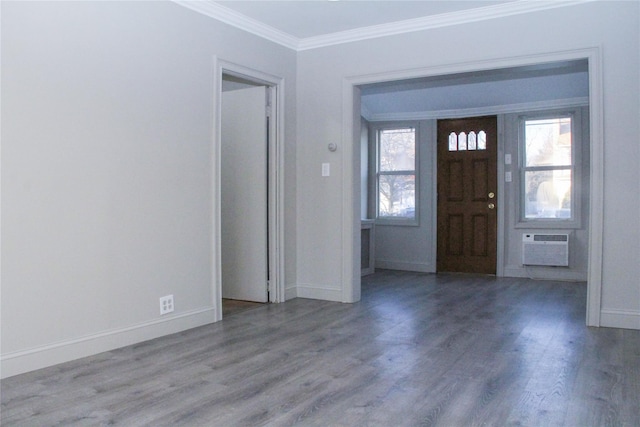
point(507, 176)
point(166, 304)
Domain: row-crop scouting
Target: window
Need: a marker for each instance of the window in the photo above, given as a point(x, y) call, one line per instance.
point(460, 142)
point(548, 168)
point(396, 174)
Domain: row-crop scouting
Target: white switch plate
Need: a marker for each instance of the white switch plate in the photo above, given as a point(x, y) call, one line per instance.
point(507, 176)
point(326, 169)
point(507, 159)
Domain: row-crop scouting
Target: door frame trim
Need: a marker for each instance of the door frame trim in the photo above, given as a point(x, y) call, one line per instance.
point(351, 161)
point(274, 85)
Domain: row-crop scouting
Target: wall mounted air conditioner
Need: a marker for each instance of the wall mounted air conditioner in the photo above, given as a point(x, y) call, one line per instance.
point(545, 249)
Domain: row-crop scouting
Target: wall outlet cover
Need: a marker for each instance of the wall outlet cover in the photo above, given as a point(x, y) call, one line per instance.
point(166, 304)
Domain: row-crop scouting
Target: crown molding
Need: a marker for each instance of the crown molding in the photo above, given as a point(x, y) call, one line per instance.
point(213, 10)
point(436, 21)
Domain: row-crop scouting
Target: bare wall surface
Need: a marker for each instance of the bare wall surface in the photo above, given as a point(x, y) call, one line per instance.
point(410, 247)
point(611, 27)
point(107, 159)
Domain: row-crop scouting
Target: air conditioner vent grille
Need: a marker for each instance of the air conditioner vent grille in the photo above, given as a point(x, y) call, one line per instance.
point(550, 237)
point(545, 249)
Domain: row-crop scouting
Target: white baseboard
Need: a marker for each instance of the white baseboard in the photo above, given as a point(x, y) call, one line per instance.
point(19, 362)
point(317, 292)
point(545, 273)
point(405, 266)
point(290, 292)
point(626, 319)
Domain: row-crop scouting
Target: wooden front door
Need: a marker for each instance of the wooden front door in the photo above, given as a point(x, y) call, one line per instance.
point(467, 190)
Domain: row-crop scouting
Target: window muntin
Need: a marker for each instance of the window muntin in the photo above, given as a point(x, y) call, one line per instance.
point(468, 142)
point(396, 173)
point(548, 171)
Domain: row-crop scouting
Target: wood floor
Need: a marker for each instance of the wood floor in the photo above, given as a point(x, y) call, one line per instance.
point(419, 349)
point(233, 306)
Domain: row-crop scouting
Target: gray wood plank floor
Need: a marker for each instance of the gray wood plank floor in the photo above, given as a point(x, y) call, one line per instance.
point(419, 349)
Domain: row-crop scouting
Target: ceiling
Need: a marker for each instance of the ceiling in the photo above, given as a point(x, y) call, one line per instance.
point(310, 24)
point(312, 18)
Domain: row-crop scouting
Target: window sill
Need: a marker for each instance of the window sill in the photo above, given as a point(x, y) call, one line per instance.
point(396, 222)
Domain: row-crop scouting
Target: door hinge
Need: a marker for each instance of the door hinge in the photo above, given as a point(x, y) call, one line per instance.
point(268, 100)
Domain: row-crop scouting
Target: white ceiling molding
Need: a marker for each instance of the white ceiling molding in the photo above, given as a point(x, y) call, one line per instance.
point(436, 21)
point(524, 107)
point(231, 17)
point(238, 20)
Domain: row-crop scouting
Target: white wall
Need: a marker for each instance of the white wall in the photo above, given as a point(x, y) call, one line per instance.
point(107, 130)
point(409, 247)
point(364, 168)
point(611, 27)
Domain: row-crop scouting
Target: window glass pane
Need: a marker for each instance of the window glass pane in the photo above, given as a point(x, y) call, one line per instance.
point(482, 140)
point(397, 196)
point(397, 150)
point(548, 142)
point(472, 140)
point(548, 194)
point(453, 142)
point(462, 141)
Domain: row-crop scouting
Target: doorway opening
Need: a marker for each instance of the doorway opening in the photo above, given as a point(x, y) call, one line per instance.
point(244, 190)
point(591, 106)
point(248, 235)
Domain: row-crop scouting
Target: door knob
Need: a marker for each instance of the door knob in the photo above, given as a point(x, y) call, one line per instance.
point(491, 206)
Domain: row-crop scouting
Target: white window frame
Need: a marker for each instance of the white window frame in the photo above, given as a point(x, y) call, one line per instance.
point(376, 128)
point(577, 142)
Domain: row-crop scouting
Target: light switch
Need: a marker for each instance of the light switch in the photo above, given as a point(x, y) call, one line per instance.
point(507, 176)
point(507, 159)
point(326, 169)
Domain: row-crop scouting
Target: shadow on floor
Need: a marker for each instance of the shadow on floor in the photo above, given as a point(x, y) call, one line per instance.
point(232, 306)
